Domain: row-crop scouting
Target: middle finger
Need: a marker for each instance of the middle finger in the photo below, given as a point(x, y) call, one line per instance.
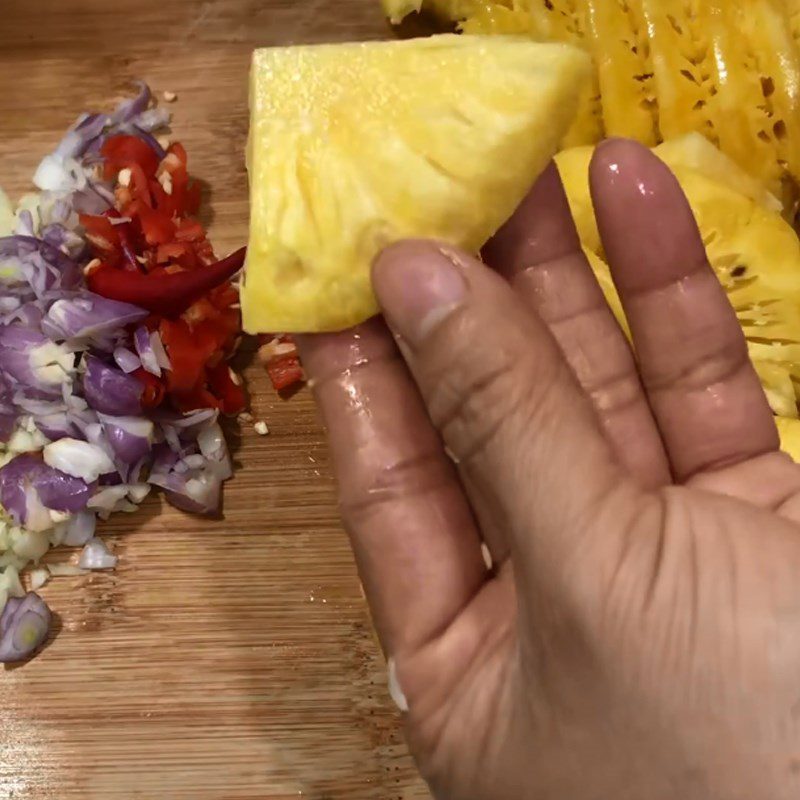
point(539, 251)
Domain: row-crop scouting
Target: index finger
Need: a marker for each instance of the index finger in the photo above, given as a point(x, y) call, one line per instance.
point(411, 528)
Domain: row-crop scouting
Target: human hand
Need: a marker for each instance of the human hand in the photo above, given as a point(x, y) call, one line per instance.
point(638, 635)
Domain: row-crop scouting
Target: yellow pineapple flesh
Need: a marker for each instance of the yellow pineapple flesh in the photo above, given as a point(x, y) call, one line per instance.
point(546, 21)
point(355, 146)
point(446, 10)
point(398, 10)
point(492, 19)
point(773, 53)
point(7, 219)
point(621, 52)
point(683, 65)
point(789, 431)
point(694, 151)
point(792, 9)
point(755, 255)
point(729, 71)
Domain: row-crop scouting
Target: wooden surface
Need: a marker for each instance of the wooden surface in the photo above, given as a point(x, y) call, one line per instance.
point(221, 660)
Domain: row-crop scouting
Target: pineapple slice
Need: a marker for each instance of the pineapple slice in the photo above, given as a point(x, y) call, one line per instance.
point(789, 431)
point(695, 152)
point(622, 53)
point(492, 19)
point(776, 380)
point(555, 20)
point(754, 252)
point(398, 10)
point(354, 146)
point(792, 8)
point(446, 10)
point(773, 54)
point(683, 65)
point(729, 71)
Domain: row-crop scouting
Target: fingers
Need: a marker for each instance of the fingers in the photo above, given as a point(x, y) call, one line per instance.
point(504, 400)
point(412, 531)
point(705, 395)
point(539, 251)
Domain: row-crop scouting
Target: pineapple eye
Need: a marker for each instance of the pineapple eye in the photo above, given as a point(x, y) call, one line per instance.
point(738, 271)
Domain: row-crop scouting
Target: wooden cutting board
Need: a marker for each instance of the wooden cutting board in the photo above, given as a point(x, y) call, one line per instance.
point(222, 659)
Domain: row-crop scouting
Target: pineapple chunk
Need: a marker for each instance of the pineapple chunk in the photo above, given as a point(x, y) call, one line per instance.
point(355, 146)
point(753, 250)
point(547, 21)
point(542, 20)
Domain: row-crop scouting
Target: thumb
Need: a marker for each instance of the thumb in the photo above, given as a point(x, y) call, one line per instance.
point(527, 441)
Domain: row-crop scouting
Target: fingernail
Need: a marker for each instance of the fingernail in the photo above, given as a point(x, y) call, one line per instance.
point(418, 284)
point(395, 692)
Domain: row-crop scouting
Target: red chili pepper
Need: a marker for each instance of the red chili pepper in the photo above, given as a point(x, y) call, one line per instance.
point(201, 311)
point(157, 226)
point(194, 194)
point(224, 296)
point(162, 261)
point(189, 230)
point(103, 236)
point(179, 151)
point(197, 398)
point(141, 185)
point(122, 229)
point(191, 350)
point(222, 386)
point(168, 294)
point(285, 371)
point(172, 251)
point(205, 252)
point(124, 151)
point(153, 391)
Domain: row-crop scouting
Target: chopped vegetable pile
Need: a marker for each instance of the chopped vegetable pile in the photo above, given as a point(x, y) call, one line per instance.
point(117, 322)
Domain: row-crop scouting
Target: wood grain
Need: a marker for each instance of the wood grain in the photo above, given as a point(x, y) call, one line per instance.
point(222, 660)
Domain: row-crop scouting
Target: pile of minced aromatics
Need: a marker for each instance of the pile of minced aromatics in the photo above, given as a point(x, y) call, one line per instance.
point(117, 323)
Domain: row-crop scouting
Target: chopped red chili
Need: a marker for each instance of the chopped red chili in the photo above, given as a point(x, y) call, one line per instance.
point(156, 255)
point(168, 294)
point(285, 371)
